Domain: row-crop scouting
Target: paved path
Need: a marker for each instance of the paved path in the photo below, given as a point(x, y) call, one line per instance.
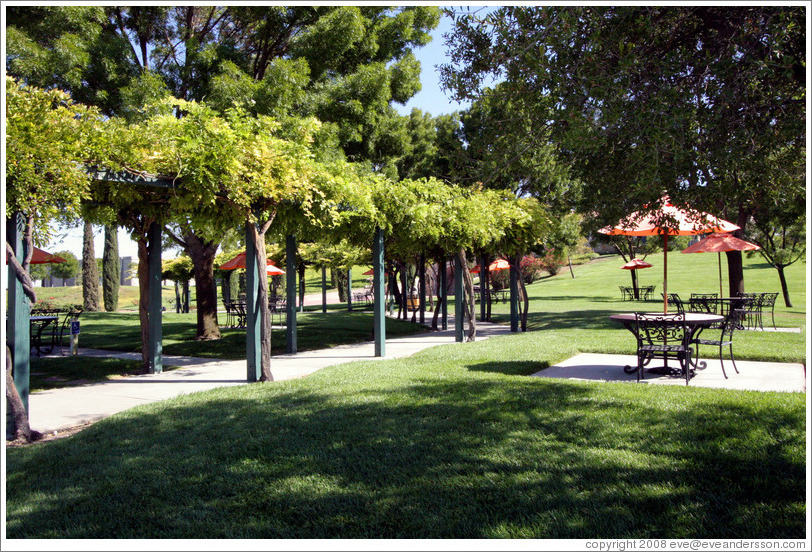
point(755, 376)
point(58, 409)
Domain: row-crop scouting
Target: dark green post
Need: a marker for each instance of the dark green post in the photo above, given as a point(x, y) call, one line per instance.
point(459, 300)
point(422, 284)
point(484, 292)
point(514, 295)
point(155, 315)
point(379, 294)
point(290, 254)
point(443, 294)
point(253, 330)
point(324, 289)
point(349, 289)
point(18, 324)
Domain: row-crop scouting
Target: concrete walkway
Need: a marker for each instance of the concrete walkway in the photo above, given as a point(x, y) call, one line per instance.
point(755, 376)
point(59, 409)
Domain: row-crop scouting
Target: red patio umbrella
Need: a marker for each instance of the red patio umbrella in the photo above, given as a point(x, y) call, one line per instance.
point(719, 243)
point(668, 220)
point(636, 264)
point(239, 262)
point(43, 257)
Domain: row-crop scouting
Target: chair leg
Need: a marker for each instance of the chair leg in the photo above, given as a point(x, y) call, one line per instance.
point(722, 362)
point(732, 359)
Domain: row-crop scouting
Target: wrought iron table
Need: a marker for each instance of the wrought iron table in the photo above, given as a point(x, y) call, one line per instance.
point(694, 322)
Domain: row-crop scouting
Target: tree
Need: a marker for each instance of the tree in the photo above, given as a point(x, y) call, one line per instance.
point(344, 64)
point(111, 269)
point(46, 132)
point(691, 101)
point(90, 271)
point(180, 271)
point(69, 269)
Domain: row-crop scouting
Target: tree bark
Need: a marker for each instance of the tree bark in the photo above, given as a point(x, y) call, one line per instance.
point(143, 299)
point(468, 284)
point(90, 272)
point(784, 289)
point(735, 265)
point(19, 416)
point(202, 254)
point(111, 269)
point(257, 236)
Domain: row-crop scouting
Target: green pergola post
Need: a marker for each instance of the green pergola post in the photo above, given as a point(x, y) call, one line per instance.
point(484, 292)
point(349, 289)
point(514, 296)
point(324, 289)
point(422, 287)
point(443, 294)
point(253, 334)
point(18, 325)
point(290, 267)
point(154, 300)
point(459, 300)
point(379, 294)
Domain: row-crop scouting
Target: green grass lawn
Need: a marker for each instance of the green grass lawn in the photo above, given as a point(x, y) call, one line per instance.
point(454, 442)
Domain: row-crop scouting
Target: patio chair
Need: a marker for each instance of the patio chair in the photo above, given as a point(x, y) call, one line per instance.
point(732, 322)
point(664, 337)
point(751, 305)
point(626, 293)
point(703, 302)
point(673, 299)
point(231, 313)
point(768, 302)
point(648, 291)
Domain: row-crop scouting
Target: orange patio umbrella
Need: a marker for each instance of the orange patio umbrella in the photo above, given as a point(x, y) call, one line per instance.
point(668, 220)
point(719, 243)
point(239, 262)
point(498, 264)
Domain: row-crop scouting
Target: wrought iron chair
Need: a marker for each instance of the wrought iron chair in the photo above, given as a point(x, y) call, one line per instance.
point(751, 305)
point(626, 293)
point(732, 322)
point(673, 299)
point(768, 302)
point(704, 302)
point(665, 337)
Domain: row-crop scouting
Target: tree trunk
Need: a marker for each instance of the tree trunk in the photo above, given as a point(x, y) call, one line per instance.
point(143, 299)
point(635, 287)
point(202, 254)
point(735, 273)
point(525, 300)
point(19, 416)
point(263, 310)
point(784, 289)
point(22, 430)
point(90, 272)
point(111, 269)
point(735, 266)
point(468, 284)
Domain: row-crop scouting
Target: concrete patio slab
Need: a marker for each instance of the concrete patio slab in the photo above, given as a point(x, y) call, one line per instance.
point(754, 376)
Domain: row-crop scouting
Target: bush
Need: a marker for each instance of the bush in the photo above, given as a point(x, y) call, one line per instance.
point(532, 268)
point(552, 261)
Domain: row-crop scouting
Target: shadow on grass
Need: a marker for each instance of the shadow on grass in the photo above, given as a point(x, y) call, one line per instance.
point(442, 459)
point(510, 368)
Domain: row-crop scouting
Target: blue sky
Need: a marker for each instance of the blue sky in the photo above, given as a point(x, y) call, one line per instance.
point(431, 99)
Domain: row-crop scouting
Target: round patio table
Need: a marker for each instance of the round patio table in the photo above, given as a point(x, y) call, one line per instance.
point(695, 323)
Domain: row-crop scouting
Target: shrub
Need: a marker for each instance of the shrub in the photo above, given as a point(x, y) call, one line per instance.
point(552, 261)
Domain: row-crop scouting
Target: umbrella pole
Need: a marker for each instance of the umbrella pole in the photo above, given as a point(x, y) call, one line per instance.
point(665, 275)
point(719, 257)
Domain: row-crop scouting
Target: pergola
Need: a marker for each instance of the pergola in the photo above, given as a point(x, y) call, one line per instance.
point(19, 307)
